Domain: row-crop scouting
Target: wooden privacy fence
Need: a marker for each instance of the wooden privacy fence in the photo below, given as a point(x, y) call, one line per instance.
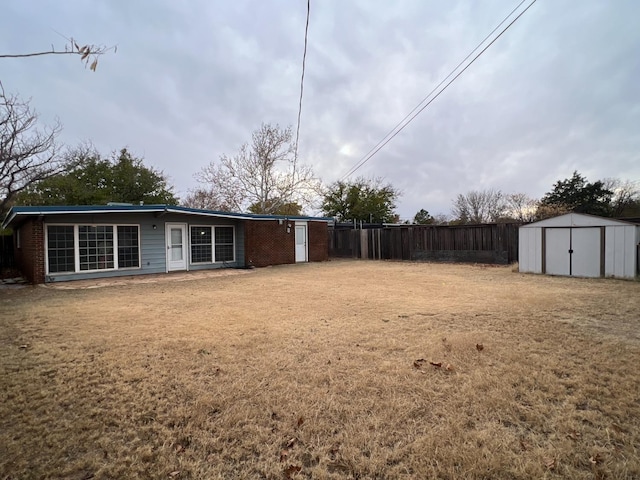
point(486, 243)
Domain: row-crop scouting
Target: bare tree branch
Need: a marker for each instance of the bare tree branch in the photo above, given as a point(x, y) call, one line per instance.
point(263, 175)
point(87, 53)
point(625, 194)
point(479, 206)
point(27, 154)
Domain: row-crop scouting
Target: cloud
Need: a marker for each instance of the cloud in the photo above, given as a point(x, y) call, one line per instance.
point(190, 82)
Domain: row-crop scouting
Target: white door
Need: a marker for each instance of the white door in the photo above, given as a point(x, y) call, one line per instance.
point(301, 243)
point(557, 245)
point(176, 239)
point(585, 260)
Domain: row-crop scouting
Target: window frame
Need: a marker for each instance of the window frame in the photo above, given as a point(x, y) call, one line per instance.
point(212, 244)
point(117, 246)
point(233, 244)
point(76, 247)
point(214, 260)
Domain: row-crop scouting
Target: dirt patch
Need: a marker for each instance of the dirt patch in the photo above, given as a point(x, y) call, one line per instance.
point(335, 370)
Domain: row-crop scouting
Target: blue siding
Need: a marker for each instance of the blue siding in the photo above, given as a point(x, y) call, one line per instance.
point(152, 241)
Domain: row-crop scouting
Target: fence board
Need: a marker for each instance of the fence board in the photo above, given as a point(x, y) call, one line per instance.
point(493, 243)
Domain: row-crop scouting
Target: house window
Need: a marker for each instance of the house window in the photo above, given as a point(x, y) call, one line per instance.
point(212, 244)
point(92, 247)
point(96, 247)
point(128, 246)
point(201, 245)
point(60, 247)
point(224, 244)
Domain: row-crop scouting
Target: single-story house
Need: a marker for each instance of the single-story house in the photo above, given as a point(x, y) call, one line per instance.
point(580, 245)
point(60, 243)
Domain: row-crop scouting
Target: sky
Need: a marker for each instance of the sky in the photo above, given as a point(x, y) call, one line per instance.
point(190, 81)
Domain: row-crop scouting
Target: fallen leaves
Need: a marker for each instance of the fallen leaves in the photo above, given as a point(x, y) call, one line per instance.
point(291, 470)
point(595, 459)
point(573, 435)
point(284, 453)
point(418, 363)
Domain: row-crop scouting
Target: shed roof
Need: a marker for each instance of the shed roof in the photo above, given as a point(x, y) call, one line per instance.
point(577, 220)
point(18, 213)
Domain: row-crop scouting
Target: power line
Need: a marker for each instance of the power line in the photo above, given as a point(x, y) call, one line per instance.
point(410, 116)
point(304, 59)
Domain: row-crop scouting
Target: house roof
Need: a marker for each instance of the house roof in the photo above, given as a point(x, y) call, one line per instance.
point(19, 213)
point(577, 220)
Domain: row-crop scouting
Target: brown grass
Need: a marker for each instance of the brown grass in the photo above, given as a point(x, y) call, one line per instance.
point(324, 371)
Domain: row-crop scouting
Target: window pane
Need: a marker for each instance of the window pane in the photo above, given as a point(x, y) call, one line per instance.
point(224, 235)
point(176, 236)
point(128, 248)
point(60, 248)
point(224, 244)
point(201, 235)
point(99, 254)
point(224, 253)
point(201, 245)
point(176, 253)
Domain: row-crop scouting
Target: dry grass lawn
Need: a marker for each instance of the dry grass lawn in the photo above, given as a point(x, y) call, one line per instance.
point(368, 370)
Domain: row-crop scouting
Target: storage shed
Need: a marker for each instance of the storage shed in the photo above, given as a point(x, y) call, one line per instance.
point(581, 246)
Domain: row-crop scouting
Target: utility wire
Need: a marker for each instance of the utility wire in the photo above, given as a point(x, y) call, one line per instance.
point(411, 115)
point(304, 59)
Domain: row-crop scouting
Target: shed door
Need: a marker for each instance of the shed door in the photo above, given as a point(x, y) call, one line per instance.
point(573, 251)
point(557, 245)
point(301, 243)
point(585, 243)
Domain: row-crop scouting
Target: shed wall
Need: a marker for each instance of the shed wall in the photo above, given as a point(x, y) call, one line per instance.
point(530, 250)
point(620, 251)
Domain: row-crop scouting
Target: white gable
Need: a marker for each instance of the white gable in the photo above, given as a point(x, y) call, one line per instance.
point(577, 220)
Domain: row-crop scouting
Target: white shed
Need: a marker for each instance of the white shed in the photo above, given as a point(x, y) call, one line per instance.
point(580, 245)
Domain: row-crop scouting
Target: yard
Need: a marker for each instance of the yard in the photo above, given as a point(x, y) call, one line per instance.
point(344, 369)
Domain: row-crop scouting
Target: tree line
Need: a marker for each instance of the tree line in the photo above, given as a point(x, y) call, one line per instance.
point(264, 176)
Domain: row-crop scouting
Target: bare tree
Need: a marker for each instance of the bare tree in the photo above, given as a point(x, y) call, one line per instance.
point(545, 210)
point(481, 206)
point(207, 199)
point(626, 195)
point(27, 154)
point(441, 219)
point(263, 174)
point(87, 53)
point(521, 207)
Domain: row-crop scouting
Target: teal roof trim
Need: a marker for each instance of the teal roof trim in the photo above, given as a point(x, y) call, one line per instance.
point(31, 211)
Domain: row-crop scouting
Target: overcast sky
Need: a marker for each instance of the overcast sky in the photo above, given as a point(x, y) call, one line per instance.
point(559, 91)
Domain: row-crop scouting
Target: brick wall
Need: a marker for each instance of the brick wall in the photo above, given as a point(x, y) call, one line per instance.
point(30, 256)
point(268, 243)
point(318, 241)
